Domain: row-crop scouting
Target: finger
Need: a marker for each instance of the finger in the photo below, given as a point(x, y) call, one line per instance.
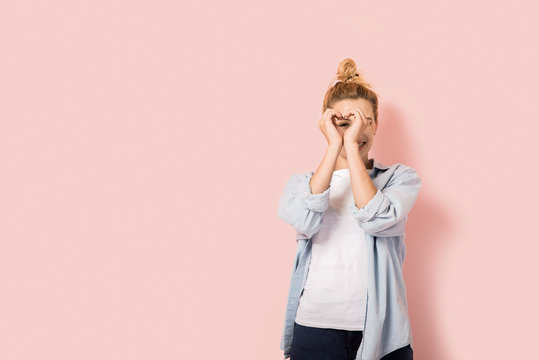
point(361, 115)
point(327, 117)
point(332, 121)
point(334, 115)
point(365, 117)
point(354, 114)
point(326, 114)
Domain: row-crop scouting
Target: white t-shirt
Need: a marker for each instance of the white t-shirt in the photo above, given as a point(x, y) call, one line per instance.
point(335, 292)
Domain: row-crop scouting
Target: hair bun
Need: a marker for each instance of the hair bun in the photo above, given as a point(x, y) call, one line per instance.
point(345, 86)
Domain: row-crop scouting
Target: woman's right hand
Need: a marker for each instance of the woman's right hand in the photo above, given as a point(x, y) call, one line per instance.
point(328, 128)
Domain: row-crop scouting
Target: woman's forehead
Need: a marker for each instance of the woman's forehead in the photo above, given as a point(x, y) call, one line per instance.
point(347, 105)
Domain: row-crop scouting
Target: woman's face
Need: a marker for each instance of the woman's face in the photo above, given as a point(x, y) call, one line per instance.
point(343, 107)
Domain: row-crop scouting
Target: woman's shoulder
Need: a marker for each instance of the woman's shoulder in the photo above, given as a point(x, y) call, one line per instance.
point(400, 167)
point(397, 167)
point(396, 173)
point(403, 173)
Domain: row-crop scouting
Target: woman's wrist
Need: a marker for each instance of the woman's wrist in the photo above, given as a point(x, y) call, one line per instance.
point(351, 146)
point(335, 147)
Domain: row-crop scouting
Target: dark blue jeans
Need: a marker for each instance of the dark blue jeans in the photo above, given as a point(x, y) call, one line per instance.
point(311, 343)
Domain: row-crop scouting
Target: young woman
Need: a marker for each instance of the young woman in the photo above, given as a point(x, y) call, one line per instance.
point(347, 296)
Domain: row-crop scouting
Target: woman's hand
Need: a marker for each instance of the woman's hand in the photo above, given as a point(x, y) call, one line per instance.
point(359, 124)
point(327, 126)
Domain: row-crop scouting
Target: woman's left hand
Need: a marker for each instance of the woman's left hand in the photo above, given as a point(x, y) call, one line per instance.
point(359, 124)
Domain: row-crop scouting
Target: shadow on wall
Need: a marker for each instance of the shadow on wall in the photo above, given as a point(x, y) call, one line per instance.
point(428, 228)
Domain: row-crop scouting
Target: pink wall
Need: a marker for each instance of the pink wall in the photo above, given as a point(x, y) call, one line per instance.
point(144, 146)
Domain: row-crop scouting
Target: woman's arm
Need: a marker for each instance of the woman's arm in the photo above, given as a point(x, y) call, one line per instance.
point(300, 208)
point(322, 177)
point(362, 186)
point(306, 197)
point(383, 212)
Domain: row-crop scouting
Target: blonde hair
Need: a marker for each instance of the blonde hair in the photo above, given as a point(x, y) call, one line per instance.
point(350, 84)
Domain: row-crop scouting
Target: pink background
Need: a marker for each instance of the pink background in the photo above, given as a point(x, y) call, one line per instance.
point(144, 146)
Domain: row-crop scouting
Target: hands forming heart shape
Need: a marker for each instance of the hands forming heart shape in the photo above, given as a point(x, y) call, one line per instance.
point(354, 127)
point(351, 114)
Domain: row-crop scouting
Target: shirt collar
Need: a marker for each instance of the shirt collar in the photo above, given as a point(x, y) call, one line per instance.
point(376, 165)
point(379, 165)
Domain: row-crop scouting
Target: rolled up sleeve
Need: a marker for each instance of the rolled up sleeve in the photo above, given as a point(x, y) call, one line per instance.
point(315, 202)
point(300, 208)
point(386, 212)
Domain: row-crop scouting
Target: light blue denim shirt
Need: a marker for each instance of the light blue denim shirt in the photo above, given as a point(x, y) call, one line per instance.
point(387, 325)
